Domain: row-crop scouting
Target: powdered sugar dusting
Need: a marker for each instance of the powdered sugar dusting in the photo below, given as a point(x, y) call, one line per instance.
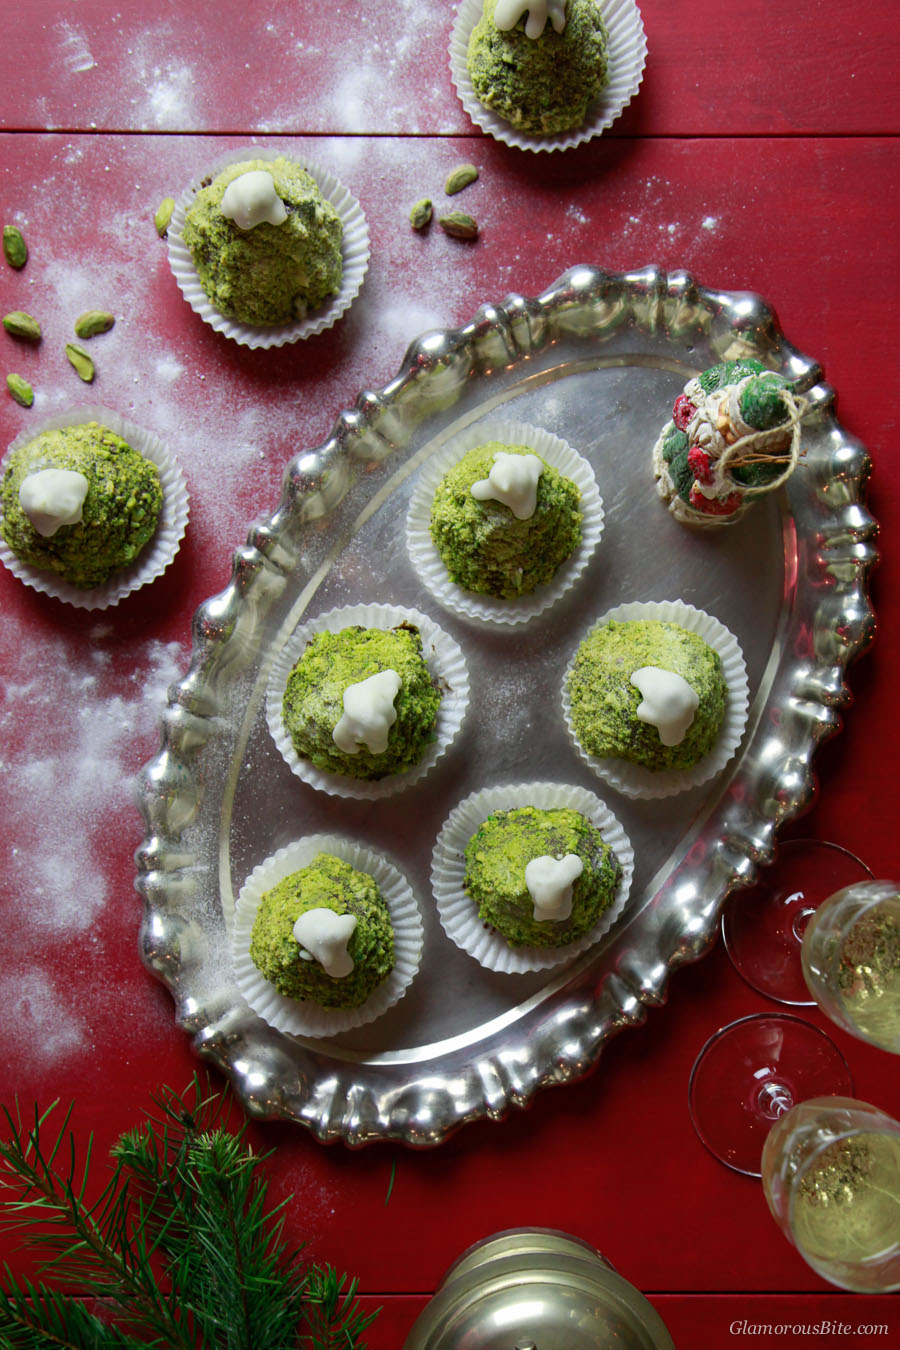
point(91, 718)
point(168, 367)
point(76, 53)
point(167, 83)
point(385, 57)
point(35, 1021)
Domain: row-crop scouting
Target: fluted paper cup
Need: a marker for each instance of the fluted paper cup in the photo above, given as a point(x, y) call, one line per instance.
point(457, 911)
point(445, 660)
point(354, 253)
point(428, 562)
point(635, 780)
point(157, 553)
point(304, 1017)
point(626, 57)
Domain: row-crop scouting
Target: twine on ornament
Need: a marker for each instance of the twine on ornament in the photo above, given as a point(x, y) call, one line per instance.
point(751, 449)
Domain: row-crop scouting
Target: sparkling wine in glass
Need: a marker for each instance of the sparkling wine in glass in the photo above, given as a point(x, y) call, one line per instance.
point(831, 1176)
point(851, 961)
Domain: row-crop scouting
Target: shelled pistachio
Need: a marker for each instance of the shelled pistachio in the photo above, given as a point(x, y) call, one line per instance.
point(460, 178)
point(20, 390)
point(163, 216)
point(21, 325)
point(421, 214)
point(459, 225)
point(92, 322)
point(15, 250)
point(80, 361)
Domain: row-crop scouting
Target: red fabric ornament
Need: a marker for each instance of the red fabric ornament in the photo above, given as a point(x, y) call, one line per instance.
point(698, 463)
point(715, 506)
point(682, 412)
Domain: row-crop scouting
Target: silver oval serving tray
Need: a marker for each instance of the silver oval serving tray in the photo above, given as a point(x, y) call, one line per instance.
point(596, 359)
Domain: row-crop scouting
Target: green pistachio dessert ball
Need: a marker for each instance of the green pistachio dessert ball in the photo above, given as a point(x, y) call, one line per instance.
point(484, 546)
point(327, 883)
point(119, 512)
point(541, 86)
point(498, 854)
point(604, 701)
point(313, 703)
point(267, 274)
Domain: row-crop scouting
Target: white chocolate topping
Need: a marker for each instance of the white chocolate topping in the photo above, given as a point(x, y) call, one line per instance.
point(325, 935)
point(508, 13)
point(549, 881)
point(53, 497)
point(669, 702)
point(251, 199)
point(513, 480)
point(369, 713)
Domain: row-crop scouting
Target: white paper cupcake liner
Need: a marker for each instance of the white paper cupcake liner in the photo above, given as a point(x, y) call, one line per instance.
point(634, 780)
point(627, 55)
point(156, 554)
point(427, 561)
point(445, 660)
point(303, 1017)
point(457, 911)
point(354, 252)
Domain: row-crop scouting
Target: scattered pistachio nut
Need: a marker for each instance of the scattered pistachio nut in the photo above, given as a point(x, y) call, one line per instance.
point(22, 325)
point(80, 362)
point(460, 178)
point(458, 224)
point(92, 322)
point(15, 250)
point(421, 214)
point(20, 389)
point(163, 216)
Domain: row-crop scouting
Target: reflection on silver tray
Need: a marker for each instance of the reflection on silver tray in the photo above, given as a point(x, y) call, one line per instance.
point(597, 359)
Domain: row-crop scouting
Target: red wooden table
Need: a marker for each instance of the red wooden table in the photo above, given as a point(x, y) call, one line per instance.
point(761, 154)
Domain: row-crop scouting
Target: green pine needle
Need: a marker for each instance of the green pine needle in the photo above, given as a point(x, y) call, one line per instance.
point(391, 1181)
point(179, 1247)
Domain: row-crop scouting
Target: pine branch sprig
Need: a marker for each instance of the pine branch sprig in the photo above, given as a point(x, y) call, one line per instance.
point(92, 1246)
point(179, 1245)
point(331, 1313)
point(39, 1317)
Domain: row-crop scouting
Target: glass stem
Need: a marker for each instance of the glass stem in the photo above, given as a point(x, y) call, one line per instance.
point(773, 1099)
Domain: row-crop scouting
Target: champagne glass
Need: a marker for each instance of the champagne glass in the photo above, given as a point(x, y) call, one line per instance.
point(850, 958)
point(831, 1177)
point(751, 1073)
point(763, 925)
